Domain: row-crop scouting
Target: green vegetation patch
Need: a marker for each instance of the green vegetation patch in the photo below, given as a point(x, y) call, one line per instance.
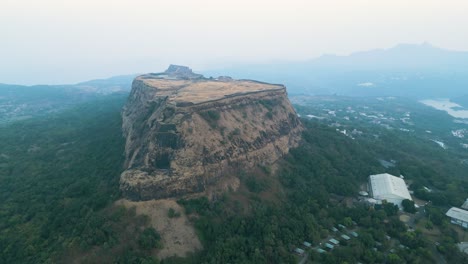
point(212, 117)
point(57, 187)
point(317, 178)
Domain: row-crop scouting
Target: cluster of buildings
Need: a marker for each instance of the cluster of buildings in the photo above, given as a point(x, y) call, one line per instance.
point(331, 242)
point(392, 189)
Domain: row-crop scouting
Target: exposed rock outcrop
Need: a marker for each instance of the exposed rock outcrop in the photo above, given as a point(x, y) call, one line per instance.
point(185, 132)
point(181, 72)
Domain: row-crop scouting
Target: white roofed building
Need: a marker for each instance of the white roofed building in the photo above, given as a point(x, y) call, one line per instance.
point(465, 205)
point(388, 187)
point(458, 216)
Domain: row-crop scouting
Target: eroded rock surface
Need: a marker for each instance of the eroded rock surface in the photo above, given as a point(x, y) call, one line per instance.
point(185, 132)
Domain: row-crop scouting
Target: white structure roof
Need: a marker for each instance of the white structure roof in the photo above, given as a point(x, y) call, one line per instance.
point(385, 186)
point(299, 251)
point(465, 204)
point(458, 213)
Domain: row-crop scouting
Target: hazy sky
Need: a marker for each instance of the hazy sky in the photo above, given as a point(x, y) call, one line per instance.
point(65, 41)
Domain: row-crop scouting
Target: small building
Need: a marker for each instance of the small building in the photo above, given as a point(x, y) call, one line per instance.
point(354, 234)
point(388, 187)
point(463, 247)
point(329, 246)
point(342, 226)
point(363, 193)
point(372, 201)
point(319, 250)
point(334, 241)
point(345, 237)
point(334, 229)
point(307, 244)
point(427, 189)
point(458, 216)
point(465, 205)
point(299, 251)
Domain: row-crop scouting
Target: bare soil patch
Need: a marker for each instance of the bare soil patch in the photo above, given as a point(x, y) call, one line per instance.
point(404, 218)
point(206, 90)
point(433, 234)
point(177, 234)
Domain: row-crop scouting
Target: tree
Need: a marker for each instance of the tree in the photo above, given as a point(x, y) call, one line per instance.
point(408, 206)
point(393, 258)
point(149, 238)
point(171, 213)
point(390, 209)
point(347, 221)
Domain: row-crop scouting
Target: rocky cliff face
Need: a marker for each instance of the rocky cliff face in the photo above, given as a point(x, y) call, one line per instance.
point(185, 132)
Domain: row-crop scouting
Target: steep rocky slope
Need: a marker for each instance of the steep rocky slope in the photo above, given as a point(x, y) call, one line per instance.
point(185, 133)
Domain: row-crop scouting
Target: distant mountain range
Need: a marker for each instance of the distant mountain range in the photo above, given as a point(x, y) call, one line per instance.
point(418, 71)
point(99, 86)
point(122, 83)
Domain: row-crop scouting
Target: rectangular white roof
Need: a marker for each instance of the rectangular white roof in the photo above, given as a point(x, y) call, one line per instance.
point(458, 213)
point(328, 245)
point(299, 250)
point(345, 237)
point(386, 186)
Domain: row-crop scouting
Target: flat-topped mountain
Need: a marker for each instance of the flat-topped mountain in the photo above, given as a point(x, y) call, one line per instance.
point(186, 133)
point(201, 90)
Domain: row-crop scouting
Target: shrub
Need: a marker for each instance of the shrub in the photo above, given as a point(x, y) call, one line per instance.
point(211, 117)
point(149, 239)
point(172, 213)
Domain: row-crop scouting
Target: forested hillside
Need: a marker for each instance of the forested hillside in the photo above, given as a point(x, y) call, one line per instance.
point(318, 181)
point(18, 102)
point(58, 178)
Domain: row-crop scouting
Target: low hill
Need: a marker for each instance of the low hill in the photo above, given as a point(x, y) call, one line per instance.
point(19, 102)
